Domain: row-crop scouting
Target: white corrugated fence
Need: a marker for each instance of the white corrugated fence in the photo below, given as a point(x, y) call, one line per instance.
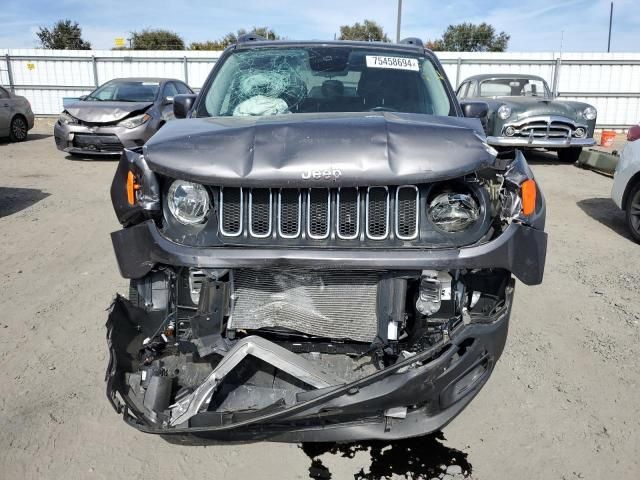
point(609, 81)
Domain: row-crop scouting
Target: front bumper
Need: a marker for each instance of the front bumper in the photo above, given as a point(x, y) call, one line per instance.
point(519, 249)
point(108, 140)
point(526, 142)
point(434, 386)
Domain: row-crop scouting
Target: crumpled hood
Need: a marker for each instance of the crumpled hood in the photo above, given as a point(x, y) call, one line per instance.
point(305, 150)
point(105, 112)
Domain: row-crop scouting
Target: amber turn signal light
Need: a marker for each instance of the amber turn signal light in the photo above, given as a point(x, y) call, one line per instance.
point(132, 186)
point(528, 194)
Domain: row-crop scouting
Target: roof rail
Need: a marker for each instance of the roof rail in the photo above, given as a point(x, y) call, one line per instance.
point(250, 37)
point(412, 41)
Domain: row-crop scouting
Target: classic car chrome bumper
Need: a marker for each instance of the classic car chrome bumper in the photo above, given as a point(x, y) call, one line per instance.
point(540, 142)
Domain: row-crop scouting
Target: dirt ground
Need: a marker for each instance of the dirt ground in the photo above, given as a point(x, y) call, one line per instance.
point(562, 403)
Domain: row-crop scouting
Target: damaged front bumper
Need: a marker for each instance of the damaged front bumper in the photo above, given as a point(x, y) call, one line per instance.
point(416, 395)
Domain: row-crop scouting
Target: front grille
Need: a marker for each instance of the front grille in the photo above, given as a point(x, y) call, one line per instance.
point(543, 128)
point(97, 142)
point(331, 304)
point(348, 213)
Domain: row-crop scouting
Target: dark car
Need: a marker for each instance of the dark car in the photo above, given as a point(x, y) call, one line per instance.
point(323, 250)
point(122, 113)
point(16, 116)
point(524, 114)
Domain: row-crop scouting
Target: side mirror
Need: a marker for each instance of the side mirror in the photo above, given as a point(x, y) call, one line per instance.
point(167, 100)
point(475, 109)
point(182, 104)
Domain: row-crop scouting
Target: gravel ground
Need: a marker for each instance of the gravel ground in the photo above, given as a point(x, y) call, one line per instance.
point(562, 403)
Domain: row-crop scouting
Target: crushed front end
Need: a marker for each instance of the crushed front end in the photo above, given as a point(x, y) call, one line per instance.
point(334, 311)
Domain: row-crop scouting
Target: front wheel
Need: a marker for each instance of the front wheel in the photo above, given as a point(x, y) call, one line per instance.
point(632, 208)
point(18, 129)
point(569, 155)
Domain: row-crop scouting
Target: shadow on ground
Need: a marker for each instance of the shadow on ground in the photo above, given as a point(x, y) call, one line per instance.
point(542, 157)
point(607, 213)
point(421, 457)
point(32, 137)
point(13, 200)
point(91, 158)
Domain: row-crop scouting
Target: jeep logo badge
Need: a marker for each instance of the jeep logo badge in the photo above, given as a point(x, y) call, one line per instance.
point(333, 174)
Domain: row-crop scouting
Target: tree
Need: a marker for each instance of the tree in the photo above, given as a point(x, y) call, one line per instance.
point(467, 37)
point(368, 31)
point(64, 35)
point(231, 38)
point(157, 39)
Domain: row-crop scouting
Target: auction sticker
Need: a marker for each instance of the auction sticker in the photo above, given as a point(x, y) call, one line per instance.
point(396, 63)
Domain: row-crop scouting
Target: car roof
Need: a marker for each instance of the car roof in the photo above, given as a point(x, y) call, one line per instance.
point(333, 43)
point(146, 79)
point(488, 76)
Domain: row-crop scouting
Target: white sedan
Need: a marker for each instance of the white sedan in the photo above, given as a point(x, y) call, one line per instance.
point(626, 182)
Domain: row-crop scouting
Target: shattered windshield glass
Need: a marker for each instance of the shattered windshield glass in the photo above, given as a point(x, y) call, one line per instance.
point(275, 81)
point(125, 91)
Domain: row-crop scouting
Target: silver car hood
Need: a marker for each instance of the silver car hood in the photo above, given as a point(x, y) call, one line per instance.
point(105, 112)
point(324, 149)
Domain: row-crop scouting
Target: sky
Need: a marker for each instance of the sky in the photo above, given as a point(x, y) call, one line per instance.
point(540, 25)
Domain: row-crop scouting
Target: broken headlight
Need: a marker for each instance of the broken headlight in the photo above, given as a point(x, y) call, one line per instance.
point(67, 119)
point(136, 121)
point(453, 211)
point(188, 202)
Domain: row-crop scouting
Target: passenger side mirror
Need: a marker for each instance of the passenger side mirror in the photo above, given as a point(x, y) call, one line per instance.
point(182, 104)
point(475, 109)
point(167, 100)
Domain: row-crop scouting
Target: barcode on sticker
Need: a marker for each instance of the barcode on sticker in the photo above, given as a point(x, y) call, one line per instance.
point(397, 63)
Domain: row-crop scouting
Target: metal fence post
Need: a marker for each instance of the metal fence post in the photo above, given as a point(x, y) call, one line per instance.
point(459, 63)
point(10, 73)
point(556, 75)
point(186, 69)
point(95, 70)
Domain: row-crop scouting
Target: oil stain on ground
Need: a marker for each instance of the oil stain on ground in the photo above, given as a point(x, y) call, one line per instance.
point(423, 457)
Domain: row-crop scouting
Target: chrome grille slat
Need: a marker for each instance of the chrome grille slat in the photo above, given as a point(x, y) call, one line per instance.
point(289, 212)
point(260, 212)
point(407, 212)
point(318, 213)
point(377, 213)
point(231, 211)
point(348, 213)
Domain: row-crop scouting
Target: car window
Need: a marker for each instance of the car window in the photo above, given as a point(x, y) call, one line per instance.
point(514, 87)
point(272, 81)
point(170, 90)
point(183, 88)
point(462, 90)
point(125, 91)
point(472, 90)
point(3, 93)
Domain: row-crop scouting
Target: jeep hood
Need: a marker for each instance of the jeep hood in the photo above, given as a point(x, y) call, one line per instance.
point(105, 112)
point(304, 150)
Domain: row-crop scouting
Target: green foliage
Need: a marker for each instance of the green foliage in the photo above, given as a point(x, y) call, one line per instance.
point(467, 37)
point(231, 38)
point(64, 35)
point(368, 31)
point(157, 39)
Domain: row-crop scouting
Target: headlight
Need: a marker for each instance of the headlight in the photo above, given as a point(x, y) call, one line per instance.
point(504, 112)
point(136, 121)
point(67, 119)
point(453, 212)
point(188, 202)
point(590, 113)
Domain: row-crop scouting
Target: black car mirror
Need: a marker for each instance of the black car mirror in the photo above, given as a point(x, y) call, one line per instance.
point(475, 109)
point(167, 100)
point(182, 104)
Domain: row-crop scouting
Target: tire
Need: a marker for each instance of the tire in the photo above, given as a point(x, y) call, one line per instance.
point(569, 155)
point(632, 210)
point(18, 129)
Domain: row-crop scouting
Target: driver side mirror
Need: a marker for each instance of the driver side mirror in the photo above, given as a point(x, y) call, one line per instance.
point(475, 109)
point(182, 104)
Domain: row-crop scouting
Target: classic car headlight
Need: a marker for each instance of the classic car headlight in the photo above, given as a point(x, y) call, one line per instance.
point(453, 211)
point(136, 121)
point(590, 113)
point(188, 202)
point(67, 119)
point(504, 112)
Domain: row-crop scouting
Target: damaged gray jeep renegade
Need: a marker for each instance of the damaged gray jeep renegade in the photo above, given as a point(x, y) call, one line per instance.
point(322, 248)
